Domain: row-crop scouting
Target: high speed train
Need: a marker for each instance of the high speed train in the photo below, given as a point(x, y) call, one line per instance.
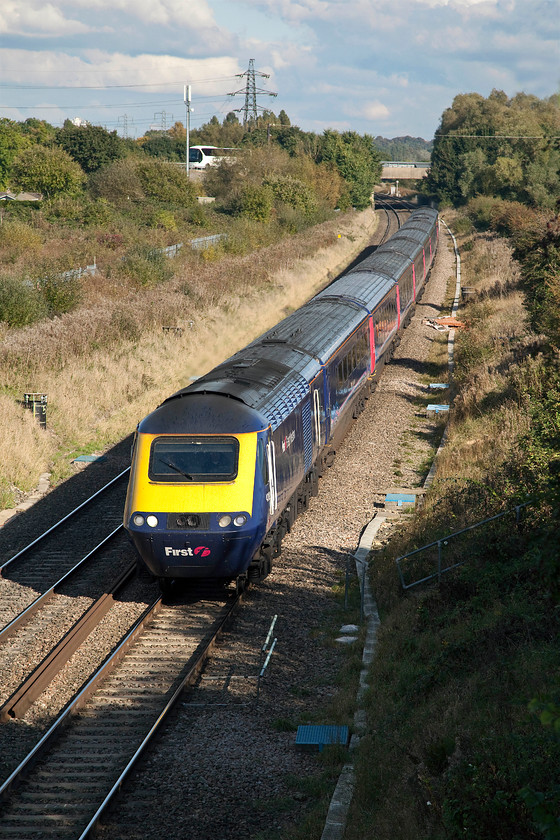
point(221, 469)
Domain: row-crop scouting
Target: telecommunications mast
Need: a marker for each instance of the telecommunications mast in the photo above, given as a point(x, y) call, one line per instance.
point(187, 101)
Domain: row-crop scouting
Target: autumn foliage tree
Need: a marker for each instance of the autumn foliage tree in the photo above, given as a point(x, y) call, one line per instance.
point(500, 147)
point(50, 171)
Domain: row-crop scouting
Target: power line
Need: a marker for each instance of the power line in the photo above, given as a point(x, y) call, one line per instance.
point(4, 86)
point(504, 136)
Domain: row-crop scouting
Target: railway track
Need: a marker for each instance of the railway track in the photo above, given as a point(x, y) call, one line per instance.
point(43, 563)
point(41, 612)
point(68, 778)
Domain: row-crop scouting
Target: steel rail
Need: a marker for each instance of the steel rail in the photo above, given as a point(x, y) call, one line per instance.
point(56, 729)
point(24, 616)
point(34, 685)
point(61, 521)
point(188, 679)
point(83, 695)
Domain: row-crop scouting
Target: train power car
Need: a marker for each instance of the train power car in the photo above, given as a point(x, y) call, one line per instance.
point(221, 469)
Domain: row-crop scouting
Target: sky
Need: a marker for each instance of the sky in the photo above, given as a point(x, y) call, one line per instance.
point(381, 67)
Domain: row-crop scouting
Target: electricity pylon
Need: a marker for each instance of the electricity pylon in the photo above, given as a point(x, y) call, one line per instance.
point(250, 109)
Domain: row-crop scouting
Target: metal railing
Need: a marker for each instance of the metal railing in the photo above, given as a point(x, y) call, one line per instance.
point(202, 243)
point(440, 545)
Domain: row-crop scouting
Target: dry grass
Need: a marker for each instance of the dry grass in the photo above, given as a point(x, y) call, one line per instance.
point(26, 449)
point(106, 366)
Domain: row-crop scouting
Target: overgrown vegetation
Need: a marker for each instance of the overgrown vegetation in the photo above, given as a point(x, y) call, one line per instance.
point(117, 201)
point(498, 146)
point(464, 738)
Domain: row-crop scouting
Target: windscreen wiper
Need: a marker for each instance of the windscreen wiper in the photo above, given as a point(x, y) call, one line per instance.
point(177, 469)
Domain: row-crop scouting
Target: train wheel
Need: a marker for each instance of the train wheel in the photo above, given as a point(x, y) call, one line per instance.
point(240, 584)
point(166, 586)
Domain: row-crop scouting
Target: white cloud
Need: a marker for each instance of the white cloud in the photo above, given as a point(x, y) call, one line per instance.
point(97, 68)
point(37, 19)
point(375, 111)
point(195, 14)
point(34, 18)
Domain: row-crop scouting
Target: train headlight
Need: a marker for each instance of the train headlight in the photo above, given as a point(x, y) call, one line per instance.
point(138, 520)
point(152, 520)
point(240, 520)
point(224, 520)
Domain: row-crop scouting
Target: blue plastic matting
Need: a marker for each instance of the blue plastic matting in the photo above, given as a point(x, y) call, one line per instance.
point(400, 499)
point(89, 459)
point(438, 408)
point(438, 385)
point(316, 736)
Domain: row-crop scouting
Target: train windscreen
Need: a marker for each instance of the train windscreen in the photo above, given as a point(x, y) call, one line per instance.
point(200, 459)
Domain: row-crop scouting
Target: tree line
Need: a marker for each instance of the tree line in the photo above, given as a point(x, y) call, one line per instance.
point(37, 157)
point(504, 147)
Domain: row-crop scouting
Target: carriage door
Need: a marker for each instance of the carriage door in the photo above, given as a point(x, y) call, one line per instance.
point(318, 413)
point(272, 486)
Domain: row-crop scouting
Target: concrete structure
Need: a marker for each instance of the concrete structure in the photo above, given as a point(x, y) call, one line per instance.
point(395, 170)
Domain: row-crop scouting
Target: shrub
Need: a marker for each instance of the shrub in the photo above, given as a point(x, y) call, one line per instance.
point(254, 202)
point(165, 219)
point(61, 292)
point(19, 239)
point(165, 182)
point(112, 241)
point(146, 266)
point(292, 191)
point(462, 226)
point(97, 213)
point(21, 302)
point(118, 183)
point(480, 210)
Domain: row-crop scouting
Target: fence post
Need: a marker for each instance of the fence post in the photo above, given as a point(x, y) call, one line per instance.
point(439, 562)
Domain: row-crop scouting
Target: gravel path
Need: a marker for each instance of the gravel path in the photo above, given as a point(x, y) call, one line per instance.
point(221, 772)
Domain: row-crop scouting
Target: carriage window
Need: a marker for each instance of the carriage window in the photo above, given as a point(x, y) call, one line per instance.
point(200, 459)
point(262, 460)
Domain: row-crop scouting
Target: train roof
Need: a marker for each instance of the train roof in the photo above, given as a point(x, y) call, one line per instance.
point(187, 412)
point(362, 285)
point(266, 385)
point(319, 327)
point(271, 375)
point(263, 383)
point(390, 263)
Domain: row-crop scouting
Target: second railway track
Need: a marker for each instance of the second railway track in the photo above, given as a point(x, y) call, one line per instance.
point(65, 782)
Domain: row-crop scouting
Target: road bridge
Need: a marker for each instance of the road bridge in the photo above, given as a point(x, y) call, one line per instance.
point(396, 170)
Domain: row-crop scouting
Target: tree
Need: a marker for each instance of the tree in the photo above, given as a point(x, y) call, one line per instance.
point(497, 146)
point(12, 142)
point(163, 145)
point(357, 160)
point(90, 145)
point(49, 171)
point(39, 131)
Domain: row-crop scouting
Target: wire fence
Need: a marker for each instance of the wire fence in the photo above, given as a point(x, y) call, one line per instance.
point(435, 559)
